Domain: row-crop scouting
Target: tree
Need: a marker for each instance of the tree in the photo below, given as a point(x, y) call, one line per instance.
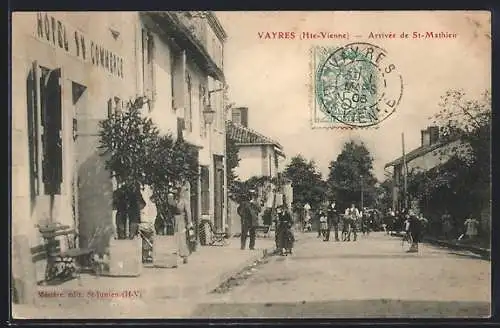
point(469, 121)
point(351, 175)
point(174, 161)
point(232, 162)
point(461, 184)
point(128, 141)
point(136, 154)
point(307, 183)
point(384, 192)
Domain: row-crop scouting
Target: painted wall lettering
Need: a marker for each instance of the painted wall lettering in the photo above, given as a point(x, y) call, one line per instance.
point(75, 43)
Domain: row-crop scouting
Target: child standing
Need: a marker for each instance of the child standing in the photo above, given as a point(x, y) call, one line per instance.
point(323, 225)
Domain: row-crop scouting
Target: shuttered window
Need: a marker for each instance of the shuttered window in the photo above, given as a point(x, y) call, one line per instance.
point(205, 190)
point(44, 104)
point(148, 61)
point(188, 110)
point(201, 103)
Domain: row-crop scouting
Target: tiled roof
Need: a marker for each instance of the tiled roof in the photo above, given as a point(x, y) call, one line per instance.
point(245, 136)
point(420, 151)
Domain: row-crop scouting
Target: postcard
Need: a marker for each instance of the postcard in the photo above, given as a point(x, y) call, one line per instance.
point(259, 164)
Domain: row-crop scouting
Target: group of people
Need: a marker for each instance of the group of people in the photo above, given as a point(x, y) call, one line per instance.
point(249, 210)
point(347, 224)
point(134, 204)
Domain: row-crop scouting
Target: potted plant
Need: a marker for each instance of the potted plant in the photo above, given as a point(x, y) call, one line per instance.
point(127, 140)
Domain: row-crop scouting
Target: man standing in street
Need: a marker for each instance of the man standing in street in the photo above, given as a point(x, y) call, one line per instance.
point(353, 215)
point(120, 205)
point(249, 211)
point(333, 221)
point(415, 229)
point(446, 222)
point(135, 204)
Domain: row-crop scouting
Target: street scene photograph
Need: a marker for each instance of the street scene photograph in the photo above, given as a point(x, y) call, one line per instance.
point(251, 164)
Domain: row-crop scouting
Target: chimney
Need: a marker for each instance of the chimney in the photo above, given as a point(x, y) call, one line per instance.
point(434, 134)
point(239, 115)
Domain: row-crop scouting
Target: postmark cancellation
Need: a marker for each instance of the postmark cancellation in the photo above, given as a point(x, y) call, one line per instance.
point(353, 86)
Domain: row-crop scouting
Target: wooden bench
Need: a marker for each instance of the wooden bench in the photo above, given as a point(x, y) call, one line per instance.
point(61, 265)
point(217, 238)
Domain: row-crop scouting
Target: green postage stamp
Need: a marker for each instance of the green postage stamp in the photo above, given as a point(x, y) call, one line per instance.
point(354, 86)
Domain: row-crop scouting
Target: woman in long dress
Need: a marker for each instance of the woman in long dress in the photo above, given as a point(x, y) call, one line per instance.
point(180, 203)
point(146, 227)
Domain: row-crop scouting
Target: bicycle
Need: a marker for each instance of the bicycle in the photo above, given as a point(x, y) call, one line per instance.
point(406, 241)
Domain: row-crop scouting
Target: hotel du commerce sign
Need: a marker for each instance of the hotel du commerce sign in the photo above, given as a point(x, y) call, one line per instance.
point(75, 43)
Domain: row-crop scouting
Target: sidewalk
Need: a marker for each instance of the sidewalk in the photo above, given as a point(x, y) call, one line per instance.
point(483, 252)
point(156, 293)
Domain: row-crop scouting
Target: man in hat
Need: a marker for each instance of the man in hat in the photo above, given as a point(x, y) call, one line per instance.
point(415, 229)
point(248, 211)
point(333, 221)
point(352, 214)
point(285, 238)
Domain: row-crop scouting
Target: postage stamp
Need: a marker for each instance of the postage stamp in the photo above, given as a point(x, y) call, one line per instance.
point(166, 162)
point(354, 86)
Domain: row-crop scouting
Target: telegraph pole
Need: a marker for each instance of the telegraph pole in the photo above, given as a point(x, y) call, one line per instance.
point(405, 173)
point(362, 192)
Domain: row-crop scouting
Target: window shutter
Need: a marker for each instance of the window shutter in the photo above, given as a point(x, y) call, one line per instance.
point(145, 60)
point(34, 123)
point(202, 107)
point(52, 132)
point(180, 127)
point(151, 68)
point(188, 110)
point(110, 108)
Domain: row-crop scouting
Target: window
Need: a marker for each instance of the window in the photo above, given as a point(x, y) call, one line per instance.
point(172, 77)
point(115, 105)
point(216, 107)
point(148, 73)
point(44, 106)
point(205, 190)
point(188, 110)
point(236, 116)
point(220, 106)
point(270, 165)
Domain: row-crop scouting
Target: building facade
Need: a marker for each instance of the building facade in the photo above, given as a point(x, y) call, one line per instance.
point(259, 155)
point(432, 152)
point(72, 70)
point(182, 71)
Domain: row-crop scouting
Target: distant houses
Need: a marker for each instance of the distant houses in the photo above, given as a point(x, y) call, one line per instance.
point(260, 157)
point(432, 152)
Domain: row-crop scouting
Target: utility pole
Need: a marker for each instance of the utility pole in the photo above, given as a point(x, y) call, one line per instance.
point(405, 173)
point(362, 193)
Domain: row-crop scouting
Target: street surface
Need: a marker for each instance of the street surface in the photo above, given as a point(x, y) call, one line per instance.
point(372, 277)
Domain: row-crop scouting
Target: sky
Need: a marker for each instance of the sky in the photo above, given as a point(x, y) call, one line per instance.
point(272, 77)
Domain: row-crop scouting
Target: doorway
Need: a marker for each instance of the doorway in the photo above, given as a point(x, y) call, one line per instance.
point(218, 193)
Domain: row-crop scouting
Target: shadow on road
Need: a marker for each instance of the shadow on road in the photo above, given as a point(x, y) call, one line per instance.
point(383, 308)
